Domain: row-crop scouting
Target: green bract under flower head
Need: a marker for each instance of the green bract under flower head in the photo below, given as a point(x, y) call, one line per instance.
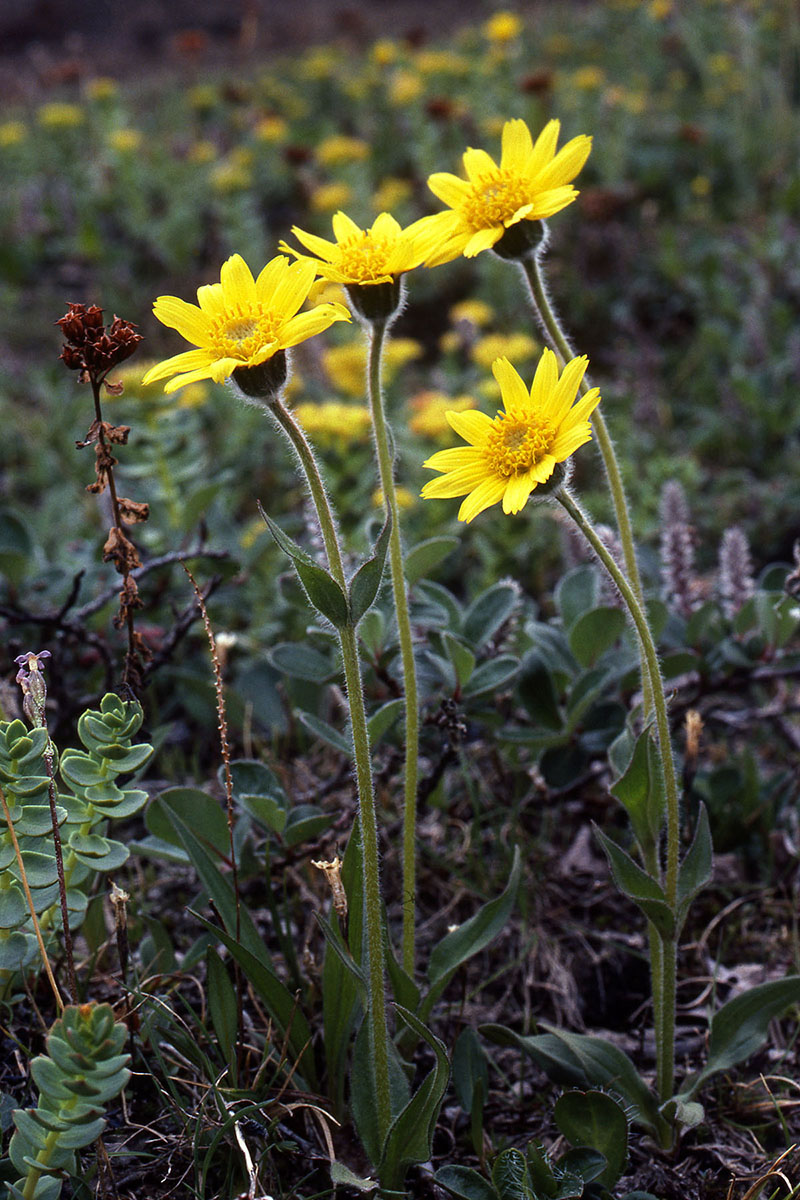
point(241, 321)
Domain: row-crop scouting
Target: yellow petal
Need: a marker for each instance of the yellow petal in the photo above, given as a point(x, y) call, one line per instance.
point(570, 439)
point(190, 360)
point(293, 289)
point(211, 299)
point(543, 149)
point(566, 164)
point(482, 239)
point(563, 394)
point(238, 284)
point(514, 392)
point(453, 458)
point(478, 164)
point(308, 324)
point(517, 147)
point(385, 226)
point(270, 278)
point(455, 483)
point(344, 228)
point(517, 491)
point(545, 381)
point(326, 250)
point(190, 321)
point(191, 377)
point(472, 426)
point(484, 496)
point(449, 188)
point(547, 204)
point(586, 406)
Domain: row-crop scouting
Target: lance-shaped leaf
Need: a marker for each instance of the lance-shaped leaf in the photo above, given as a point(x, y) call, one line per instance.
point(641, 789)
point(646, 892)
point(697, 866)
point(410, 1135)
point(322, 590)
point(366, 582)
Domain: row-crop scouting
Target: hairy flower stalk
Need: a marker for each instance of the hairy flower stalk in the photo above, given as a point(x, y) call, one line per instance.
point(242, 328)
point(525, 449)
point(370, 263)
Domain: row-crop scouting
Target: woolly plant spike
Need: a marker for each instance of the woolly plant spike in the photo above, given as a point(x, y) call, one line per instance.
point(735, 578)
point(82, 1070)
point(677, 549)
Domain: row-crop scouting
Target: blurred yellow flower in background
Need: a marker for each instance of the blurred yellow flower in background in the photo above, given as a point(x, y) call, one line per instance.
point(271, 129)
point(102, 87)
point(334, 421)
point(340, 148)
point(503, 27)
point(519, 346)
point(429, 408)
point(330, 196)
point(58, 115)
point(125, 140)
point(12, 133)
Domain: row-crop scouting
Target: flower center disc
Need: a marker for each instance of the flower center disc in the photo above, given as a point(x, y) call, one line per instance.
point(239, 336)
point(516, 444)
point(364, 259)
point(495, 199)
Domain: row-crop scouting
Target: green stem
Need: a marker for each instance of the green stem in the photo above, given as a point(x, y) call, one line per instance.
point(361, 752)
point(560, 344)
point(386, 473)
point(665, 1035)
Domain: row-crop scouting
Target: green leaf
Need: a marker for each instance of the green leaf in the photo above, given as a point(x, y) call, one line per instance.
point(511, 1177)
point(382, 720)
point(301, 662)
point(16, 547)
point(646, 893)
point(325, 732)
point(365, 584)
point(470, 938)
point(364, 1095)
point(492, 675)
point(81, 769)
point(697, 866)
point(537, 691)
point(410, 1135)
point(126, 759)
point(322, 590)
point(423, 557)
point(595, 1119)
point(489, 612)
point(281, 1005)
point(465, 1183)
point(578, 1060)
point(222, 1006)
point(202, 813)
point(470, 1068)
point(739, 1028)
point(640, 788)
point(305, 822)
point(595, 632)
point(463, 660)
point(341, 1174)
point(577, 593)
point(266, 810)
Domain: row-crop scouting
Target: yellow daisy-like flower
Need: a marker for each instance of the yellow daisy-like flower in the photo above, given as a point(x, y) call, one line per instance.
point(531, 183)
point(241, 321)
point(510, 455)
point(362, 256)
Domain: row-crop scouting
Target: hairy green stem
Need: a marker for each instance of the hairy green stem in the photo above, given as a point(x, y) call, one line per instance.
point(385, 470)
point(560, 344)
point(665, 1033)
point(379, 1031)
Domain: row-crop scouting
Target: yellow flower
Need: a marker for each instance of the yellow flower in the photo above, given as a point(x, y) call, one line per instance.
point(202, 97)
point(12, 133)
point(60, 116)
point(586, 79)
point(503, 345)
point(430, 410)
point(329, 196)
point(339, 148)
point(508, 456)
point(531, 183)
point(476, 312)
point(502, 27)
point(404, 498)
point(334, 421)
point(241, 321)
point(700, 186)
point(441, 62)
point(271, 129)
point(362, 256)
point(101, 88)
point(384, 52)
point(390, 193)
point(346, 365)
point(405, 87)
point(125, 141)
point(230, 176)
